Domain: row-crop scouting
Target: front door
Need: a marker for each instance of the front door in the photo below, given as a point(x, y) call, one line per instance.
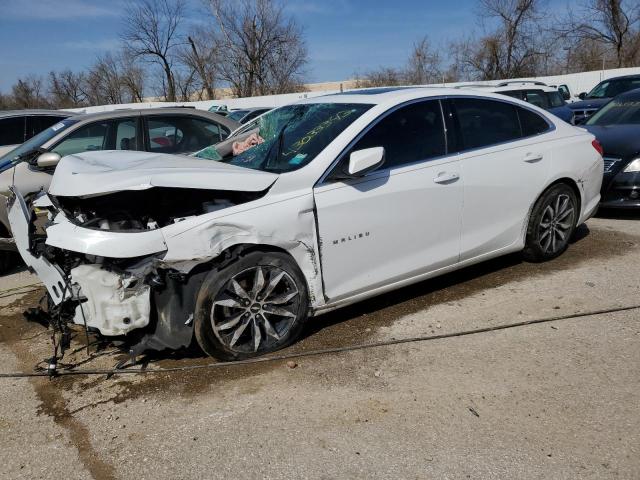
point(399, 221)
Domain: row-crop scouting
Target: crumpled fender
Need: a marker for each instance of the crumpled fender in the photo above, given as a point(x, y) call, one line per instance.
point(199, 240)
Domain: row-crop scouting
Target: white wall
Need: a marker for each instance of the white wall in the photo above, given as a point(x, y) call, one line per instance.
point(577, 82)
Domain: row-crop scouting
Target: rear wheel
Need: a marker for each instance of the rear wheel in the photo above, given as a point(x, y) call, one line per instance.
point(256, 305)
point(552, 223)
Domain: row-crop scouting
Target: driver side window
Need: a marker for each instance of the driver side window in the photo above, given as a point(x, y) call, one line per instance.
point(106, 135)
point(89, 138)
point(409, 134)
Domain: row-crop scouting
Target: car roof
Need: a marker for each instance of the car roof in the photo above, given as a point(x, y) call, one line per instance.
point(34, 111)
point(394, 95)
point(90, 117)
point(629, 95)
point(250, 109)
point(623, 77)
point(522, 87)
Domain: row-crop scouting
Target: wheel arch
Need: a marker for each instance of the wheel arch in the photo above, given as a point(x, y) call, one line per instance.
point(565, 180)
point(303, 256)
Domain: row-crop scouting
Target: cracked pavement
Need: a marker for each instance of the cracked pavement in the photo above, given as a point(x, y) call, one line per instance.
point(555, 400)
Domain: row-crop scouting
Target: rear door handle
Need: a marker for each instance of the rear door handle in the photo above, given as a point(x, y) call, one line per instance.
point(533, 157)
point(446, 177)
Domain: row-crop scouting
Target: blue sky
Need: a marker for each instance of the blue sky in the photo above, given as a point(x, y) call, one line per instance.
point(343, 36)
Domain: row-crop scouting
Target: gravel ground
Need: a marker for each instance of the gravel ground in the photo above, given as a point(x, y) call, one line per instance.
point(553, 400)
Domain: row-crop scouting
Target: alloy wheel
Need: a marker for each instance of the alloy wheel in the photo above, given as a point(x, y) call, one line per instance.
point(555, 223)
point(255, 309)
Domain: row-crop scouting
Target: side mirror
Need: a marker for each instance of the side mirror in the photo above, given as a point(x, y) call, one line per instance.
point(565, 94)
point(364, 161)
point(582, 96)
point(48, 159)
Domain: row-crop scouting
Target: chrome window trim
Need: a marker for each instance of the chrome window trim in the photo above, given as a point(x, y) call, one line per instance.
point(552, 127)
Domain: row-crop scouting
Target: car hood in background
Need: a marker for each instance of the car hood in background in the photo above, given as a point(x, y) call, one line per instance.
point(617, 140)
point(588, 104)
point(98, 173)
point(563, 112)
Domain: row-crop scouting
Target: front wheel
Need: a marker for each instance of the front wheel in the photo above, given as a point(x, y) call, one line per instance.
point(552, 223)
point(255, 305)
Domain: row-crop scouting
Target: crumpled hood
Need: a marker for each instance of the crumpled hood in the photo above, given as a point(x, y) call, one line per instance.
point(97, 173)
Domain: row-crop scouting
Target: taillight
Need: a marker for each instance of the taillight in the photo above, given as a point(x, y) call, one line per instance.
point(598, 147)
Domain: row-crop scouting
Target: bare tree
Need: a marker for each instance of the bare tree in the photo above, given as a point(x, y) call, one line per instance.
point(262, 50)
point(66, 89)
point(424, 65)
point(152, 32)
point(612, 23)
point(103, 84)
point(381, 77)
point(200, 56)
point(29, 92)
point(131, 75)
point(513, 48)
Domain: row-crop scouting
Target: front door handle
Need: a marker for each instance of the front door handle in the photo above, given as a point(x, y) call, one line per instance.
point(446, 177)
point(533, 157)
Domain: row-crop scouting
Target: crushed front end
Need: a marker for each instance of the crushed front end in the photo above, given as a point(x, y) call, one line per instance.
point(100, 259)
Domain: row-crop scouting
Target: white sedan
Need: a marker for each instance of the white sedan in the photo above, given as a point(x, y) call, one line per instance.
point(309, 208)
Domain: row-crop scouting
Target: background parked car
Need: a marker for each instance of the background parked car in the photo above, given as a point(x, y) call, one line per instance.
point(540, 95)
point(533, 92)
point(247, 114)
point(617, 128)
point(18, 126)
point(161, 130)
point(601, 94)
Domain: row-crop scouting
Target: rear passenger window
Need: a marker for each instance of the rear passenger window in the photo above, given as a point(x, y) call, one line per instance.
point(532, 123)
point(12, 130)
point(38, 123)
point(181, 134)
point(409, 134)
point(486, 122)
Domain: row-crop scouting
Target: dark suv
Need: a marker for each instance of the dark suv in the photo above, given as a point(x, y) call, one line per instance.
point(601, 94)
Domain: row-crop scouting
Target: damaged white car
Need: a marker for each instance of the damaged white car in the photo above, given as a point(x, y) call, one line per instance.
point(312, 207)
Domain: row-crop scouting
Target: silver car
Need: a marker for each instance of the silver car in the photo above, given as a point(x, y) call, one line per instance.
point(159, 130)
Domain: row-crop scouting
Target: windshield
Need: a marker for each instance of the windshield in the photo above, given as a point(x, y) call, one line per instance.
point(36, 142)
point(237, 115)
point(290, 137)
point(555, 99)
point(611, 88)
point(617, 112)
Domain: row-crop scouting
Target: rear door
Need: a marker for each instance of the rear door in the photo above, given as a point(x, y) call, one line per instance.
point(505, 161)
point(399, 221)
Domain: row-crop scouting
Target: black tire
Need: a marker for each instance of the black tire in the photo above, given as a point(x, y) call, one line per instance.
point(279, 318)
point(551, 224)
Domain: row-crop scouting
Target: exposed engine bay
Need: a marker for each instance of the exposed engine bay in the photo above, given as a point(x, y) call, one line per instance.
point(113, 296)
point(149, 209)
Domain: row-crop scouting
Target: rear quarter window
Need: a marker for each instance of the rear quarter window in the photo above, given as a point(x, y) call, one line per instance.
point(532, 123)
